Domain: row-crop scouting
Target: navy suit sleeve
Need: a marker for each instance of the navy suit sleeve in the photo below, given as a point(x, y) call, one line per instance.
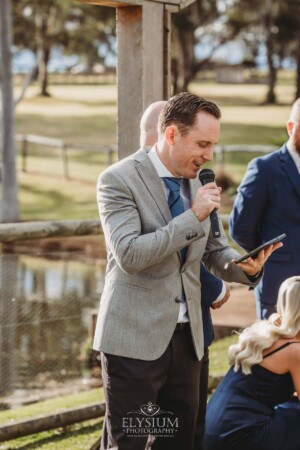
point(249, 206)
point(211, 287)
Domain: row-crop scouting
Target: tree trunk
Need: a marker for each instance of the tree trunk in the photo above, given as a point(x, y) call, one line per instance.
point(187, 41)
point(183, 58)
point(10, 206)
point(268, 24)
point(177, 62)
point(272, 77)
point(43, 54)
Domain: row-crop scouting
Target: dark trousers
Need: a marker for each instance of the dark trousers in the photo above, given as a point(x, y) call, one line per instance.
point(200, 425)
point(170, 383)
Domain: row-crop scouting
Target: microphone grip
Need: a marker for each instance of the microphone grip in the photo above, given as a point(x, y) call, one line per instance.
point(214, 223)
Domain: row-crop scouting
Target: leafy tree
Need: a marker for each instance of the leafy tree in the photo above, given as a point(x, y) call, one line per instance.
point(76, 28)
point(184, 39)
point(275, 24)
point(288, 37)
point(91, 33)
point(202, 21)
point(39, 25)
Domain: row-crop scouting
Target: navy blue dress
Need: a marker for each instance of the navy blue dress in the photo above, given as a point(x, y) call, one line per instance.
point(253, 412)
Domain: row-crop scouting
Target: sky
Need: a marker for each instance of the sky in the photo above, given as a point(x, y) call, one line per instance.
point(231, 53)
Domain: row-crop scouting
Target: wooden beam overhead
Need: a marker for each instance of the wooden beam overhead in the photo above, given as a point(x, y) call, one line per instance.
point(113, 3)
point(180, 4)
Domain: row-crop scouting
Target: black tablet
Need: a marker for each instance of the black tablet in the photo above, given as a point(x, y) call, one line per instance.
point(253, 254)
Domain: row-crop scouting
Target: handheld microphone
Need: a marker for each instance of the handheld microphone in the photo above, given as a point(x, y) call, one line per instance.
point(208, 176)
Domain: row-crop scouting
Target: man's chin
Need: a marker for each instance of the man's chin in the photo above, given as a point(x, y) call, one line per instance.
point(192, 176)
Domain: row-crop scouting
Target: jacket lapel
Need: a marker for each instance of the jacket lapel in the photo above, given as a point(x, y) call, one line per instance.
point(290, 168)
point(153, 183)
point(195, 248)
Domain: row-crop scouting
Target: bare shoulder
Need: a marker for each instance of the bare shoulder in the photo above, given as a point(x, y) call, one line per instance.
point(294, 350)
point(292, 355)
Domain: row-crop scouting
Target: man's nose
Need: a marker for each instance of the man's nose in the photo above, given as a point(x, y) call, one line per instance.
point(208, 154)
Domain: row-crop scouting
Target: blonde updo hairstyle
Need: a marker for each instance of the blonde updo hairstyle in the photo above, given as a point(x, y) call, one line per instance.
point(263, 333)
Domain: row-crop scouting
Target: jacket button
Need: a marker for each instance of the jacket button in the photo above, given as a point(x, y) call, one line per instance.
point(177, 299)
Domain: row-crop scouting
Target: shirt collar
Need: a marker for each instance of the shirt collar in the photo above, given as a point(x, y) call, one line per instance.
point(160, 168)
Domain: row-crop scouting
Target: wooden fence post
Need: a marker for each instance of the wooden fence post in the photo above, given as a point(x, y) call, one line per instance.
point(24, 150)
point(64, 158)
point(110, 156)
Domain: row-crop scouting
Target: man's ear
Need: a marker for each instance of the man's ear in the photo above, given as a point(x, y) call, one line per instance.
point(171, 134)
point(289, 127)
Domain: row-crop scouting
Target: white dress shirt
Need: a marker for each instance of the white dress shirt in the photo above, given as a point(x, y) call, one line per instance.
point(162, 171)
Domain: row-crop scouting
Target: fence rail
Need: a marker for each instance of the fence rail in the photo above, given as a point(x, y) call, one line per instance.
point(63, 147)
point(10, 232)
point(25, 139)
point(221, 150)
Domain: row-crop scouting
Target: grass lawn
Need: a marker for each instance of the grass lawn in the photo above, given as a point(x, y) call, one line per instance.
point(87, 115)
point(218, 355)
point(76, 437)
point(81, 436)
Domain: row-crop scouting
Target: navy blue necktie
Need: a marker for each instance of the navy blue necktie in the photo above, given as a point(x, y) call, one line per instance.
point(176, 206)
point(175, 202)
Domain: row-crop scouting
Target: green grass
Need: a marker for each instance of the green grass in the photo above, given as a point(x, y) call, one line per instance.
point(87, 115)
point(75, 437)
point(52, 405)
point(218, 355)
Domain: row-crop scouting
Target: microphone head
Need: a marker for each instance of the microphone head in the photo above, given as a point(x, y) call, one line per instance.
point(206, 176)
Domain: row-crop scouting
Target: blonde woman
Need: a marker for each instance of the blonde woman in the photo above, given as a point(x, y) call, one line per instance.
point(255, 407)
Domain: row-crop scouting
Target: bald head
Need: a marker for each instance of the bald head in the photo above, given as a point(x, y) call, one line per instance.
point(148, 124)
point(295, 111)
point(293, 127)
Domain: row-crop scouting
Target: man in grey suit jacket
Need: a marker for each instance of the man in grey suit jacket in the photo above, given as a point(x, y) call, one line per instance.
point(214, 291)
point(149, 326)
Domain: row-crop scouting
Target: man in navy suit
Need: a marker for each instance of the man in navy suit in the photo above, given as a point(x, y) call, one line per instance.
point(267, 205)
point(214, 291)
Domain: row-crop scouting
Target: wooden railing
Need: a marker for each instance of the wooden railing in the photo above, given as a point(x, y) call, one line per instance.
point(221, 150)
point(63, 148)
point(21, 231)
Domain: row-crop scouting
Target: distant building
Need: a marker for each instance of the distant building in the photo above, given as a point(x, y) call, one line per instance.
point(230, 73)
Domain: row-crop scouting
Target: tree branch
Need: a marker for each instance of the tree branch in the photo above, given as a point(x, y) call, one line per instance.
point(30, 76)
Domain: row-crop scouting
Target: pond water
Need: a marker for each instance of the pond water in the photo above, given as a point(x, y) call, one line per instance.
point(47, 314)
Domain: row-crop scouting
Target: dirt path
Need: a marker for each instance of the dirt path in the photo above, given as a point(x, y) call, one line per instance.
point(239, 311)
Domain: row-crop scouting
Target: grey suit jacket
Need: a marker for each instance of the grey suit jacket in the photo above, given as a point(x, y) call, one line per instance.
point(140, 302)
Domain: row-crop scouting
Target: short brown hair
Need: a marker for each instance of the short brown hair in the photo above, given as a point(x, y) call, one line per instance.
point(182, 109)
